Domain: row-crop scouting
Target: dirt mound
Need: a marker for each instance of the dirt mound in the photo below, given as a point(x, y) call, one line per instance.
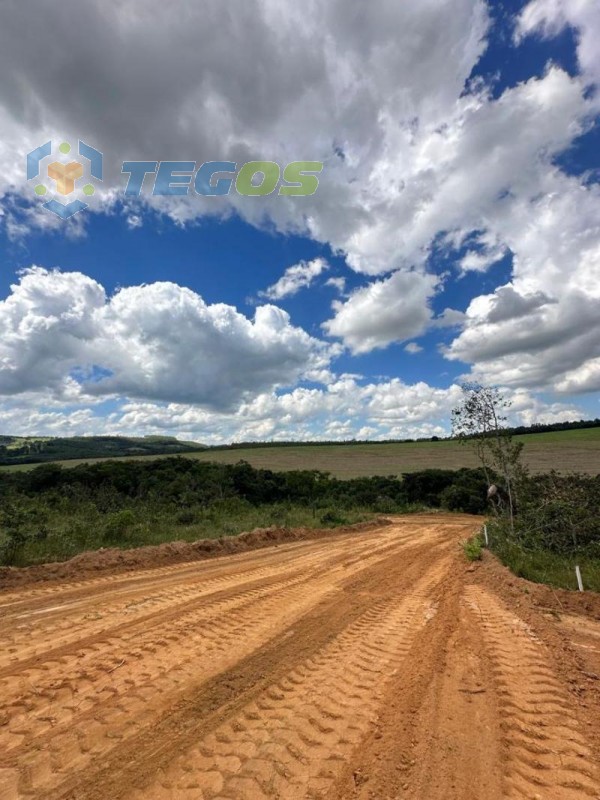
point(538, 595)
point(116, 560)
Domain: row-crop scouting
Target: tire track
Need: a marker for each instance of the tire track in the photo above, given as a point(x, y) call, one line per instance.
point(80, 680)
point(118, 701)
point(34, 639)
point(547, 753)
point(108, 681)
point(294, 740)
point(74, 591)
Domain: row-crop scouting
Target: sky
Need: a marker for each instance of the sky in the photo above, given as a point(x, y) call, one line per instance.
point(454, 235)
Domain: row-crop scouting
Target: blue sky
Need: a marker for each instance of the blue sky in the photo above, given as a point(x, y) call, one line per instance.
point(454, 234)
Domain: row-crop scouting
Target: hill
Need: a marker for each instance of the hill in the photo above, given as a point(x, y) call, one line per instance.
point(38, 449)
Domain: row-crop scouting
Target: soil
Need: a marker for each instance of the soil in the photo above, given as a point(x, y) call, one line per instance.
point(371, 663)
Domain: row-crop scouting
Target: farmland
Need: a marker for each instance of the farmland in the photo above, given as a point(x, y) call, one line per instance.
point(564, 451)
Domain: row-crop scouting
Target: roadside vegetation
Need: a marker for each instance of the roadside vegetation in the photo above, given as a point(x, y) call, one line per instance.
point(52, 513)
point(542, 526)
point(473, 548)
point(556, 528)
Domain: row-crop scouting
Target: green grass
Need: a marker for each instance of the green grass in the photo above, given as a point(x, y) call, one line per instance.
point(473, 548)
point(565, 451)
point(544, 566)
point(85, 530)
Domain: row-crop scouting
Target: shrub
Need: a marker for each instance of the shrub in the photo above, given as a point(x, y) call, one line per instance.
point(119, 524)
point(187, 517)
point(20, 525)
point(472, 548)
point(332, 517)
point(463, 498)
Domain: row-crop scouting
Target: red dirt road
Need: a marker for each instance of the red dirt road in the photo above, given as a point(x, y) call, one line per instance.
point(362, 665)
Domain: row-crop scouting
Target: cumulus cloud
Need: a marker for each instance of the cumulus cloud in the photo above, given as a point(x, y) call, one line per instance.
point(157, 341)
point(507, 304)
point(385, 311)
point(47, 321)
point(300, 276)
point(486, 252)
point(528, 340)
point(415, 157)
point(585, 378)
point(345, 409)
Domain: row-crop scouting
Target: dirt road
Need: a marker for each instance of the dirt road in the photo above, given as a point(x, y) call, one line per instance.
point(365, 665)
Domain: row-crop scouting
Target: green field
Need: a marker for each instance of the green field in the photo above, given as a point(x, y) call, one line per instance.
point(565, 451)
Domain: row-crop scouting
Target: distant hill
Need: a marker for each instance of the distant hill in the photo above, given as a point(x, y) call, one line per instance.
point(38, 449)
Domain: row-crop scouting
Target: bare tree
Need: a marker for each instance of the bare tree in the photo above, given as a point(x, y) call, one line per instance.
point(479, 421)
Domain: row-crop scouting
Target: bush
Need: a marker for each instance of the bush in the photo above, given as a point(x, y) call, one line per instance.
point(473, 548)
point(463, 498)
point(187, 517)
point(560, 513)
point(119, 524)
point(332, 517)
point(19, 526)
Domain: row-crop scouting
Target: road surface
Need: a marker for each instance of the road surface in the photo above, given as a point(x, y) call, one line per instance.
point(362, 665)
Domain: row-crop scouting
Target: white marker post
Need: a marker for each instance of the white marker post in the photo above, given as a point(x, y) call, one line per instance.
point(579, 581)
point(485, 536)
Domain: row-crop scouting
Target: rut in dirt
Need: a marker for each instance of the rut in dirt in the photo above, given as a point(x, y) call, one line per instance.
point(367, 664)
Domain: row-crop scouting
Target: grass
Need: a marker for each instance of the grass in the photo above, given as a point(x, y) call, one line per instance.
point(83, 530)
point(473, 548)
point(565, 451)
point(544, 566)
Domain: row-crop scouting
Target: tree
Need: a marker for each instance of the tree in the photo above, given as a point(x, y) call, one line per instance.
point(479, 421)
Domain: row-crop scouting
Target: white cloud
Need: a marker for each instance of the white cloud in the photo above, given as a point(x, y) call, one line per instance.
point(414, 158)
point(489, 251)
point(449, 318)
point(345, 409)
point(413, 348)
point(549, 17)
point(385, 311)
point(300, 276)
point(134, 221)
point(339, 284)
point(530, 339)
point(585, 378)
point(157, 341)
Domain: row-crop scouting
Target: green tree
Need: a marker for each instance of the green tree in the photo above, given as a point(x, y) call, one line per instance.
point(480, 422)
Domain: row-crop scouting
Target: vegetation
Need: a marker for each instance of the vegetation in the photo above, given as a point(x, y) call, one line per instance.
point(544, 566)
point(557, 527)
point(479, 422)
point(34, 450)
point(572, 450)
point(544, 525)
point(24, 450)
point(473, 548)
point(52, 513)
